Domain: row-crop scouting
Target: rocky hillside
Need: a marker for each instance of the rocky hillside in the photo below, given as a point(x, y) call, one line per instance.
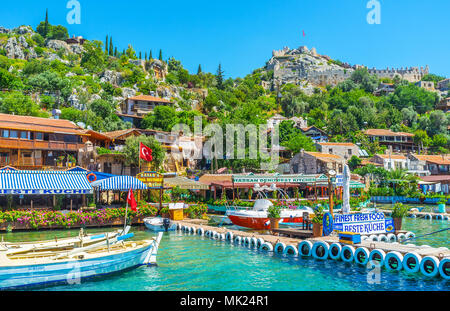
point(125, 75)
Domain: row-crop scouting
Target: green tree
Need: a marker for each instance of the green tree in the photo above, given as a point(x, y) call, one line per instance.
point(199, 70)
point(93, 57)
point(421, 139)
point(19, 104)
point(111, 47)
point(160, 55)
point(354, 162)
point(162, 118)
point(131, 151)
point(219, 77)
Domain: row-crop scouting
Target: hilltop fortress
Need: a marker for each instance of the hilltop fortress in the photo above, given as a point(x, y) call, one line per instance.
point(300, 66)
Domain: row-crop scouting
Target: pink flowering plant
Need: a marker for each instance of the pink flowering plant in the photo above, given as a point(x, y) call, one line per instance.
point(45, 218)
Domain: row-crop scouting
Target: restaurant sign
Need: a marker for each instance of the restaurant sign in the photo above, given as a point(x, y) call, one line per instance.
point(255, 179)
point(370, 223)
point(151, 179)
point(37, 192)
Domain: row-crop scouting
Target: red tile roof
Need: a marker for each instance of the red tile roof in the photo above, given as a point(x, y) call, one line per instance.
point(149, 98)
point(383, 132)
point(36, 124)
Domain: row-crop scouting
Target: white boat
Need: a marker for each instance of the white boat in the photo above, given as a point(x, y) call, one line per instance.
point(35, 268)
point(159, 224)
point(65, 243)
point(258, 219)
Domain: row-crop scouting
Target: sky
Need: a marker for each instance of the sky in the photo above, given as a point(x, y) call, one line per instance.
point(241, 35)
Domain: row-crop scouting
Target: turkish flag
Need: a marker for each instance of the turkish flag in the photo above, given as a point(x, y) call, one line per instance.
point(131, 200)
point(145, 153)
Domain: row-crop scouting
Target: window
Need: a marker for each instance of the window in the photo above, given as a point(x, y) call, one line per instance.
point(330, 151)
point(13, 134)
point(39, 136)
point(350, 151)
point(5, 133)
point(25, 135)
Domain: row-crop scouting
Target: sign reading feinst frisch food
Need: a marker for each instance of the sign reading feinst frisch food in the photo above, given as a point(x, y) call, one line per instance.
point(370, 223)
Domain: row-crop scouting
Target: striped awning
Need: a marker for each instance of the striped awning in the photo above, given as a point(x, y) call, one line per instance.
point(44, 182)
point(119, 183)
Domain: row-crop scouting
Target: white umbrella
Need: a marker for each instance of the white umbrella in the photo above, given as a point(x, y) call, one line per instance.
point(346, 194)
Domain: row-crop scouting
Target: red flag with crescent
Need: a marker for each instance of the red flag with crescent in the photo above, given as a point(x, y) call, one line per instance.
point(145, 153)
point(131, 200)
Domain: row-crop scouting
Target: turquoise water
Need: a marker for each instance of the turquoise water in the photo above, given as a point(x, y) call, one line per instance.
point(188, 262)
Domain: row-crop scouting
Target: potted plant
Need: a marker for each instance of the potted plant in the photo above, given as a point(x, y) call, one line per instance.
point(165, 212)
point(274, 213)
point(400, 211)
point(318, 222)
point(441, 205)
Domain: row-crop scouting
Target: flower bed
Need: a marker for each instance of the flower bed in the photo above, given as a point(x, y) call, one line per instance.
point(33, 219)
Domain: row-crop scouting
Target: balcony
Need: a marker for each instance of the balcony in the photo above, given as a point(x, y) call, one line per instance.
point(14, 143)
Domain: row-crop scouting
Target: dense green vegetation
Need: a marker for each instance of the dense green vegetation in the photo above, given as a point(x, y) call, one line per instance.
point(37, 86)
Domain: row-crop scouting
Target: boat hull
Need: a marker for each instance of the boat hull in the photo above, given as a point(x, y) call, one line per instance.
point(71, 271)
point(156, 225)
point(259, 223)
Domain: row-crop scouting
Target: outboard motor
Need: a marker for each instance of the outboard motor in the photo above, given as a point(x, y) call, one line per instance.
point(166, 224)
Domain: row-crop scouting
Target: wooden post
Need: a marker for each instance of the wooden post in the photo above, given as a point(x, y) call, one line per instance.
point(54, 200)
point(71, 204)
point(31, 203)
point(83, 200)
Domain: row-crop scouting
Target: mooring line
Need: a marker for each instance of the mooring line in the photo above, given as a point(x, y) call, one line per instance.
point(420, 236)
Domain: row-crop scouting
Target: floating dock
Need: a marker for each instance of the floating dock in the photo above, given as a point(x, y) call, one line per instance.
point(375, 250)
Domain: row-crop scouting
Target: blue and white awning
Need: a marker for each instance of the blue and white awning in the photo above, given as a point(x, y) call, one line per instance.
point(119, 183)
point(44, 182)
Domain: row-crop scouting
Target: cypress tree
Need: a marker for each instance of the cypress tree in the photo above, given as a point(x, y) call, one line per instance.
point(115, 52)
point(199, 71)
point(111, 47)
point(46, 23)
point(140, 55)
point(150, 57)
point(160, 55)
point(145, 56)
point(106, 44)
point(219, 77)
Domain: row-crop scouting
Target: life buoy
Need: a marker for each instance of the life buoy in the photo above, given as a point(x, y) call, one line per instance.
point(247, 241)
point(364, 237)
point(411, 262)
point(377, 257)
point(428, 216)
point(207, 233)
point(229, 236)
point(237, 240)
point(91, 180)
point(391, 237)
point(446, 218)
point(335, 251)
point(200, 231)
point(348, 253)
point(222, 237)
point(439, 217)
point(253, 242)
point(279, 247)
point(178, 226)
point(429, 266)
point(259, 242)
point(266, 246)
point(362, 255)
point(393, 261)
point(383, 238)
point(401, 237)
point(410, 235)
point(304, 248)
point(290, 250)
point(373, 237)
point(215, 235)
point(183, 228)
point(444, 268)
point(413, 216)
point(191, 230)
point(320, 250)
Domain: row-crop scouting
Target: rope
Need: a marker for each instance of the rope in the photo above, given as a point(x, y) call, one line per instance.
point(420, 236)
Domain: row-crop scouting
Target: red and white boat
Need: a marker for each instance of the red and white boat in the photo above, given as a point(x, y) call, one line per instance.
point(258, 219)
